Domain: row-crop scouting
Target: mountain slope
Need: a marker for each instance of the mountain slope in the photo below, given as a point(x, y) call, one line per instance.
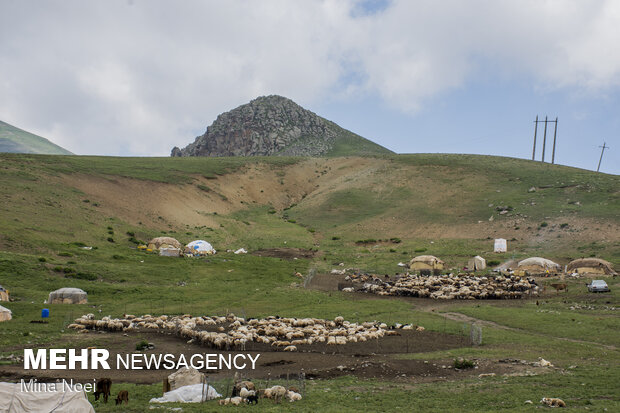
point(15, 140)
point(274, 125)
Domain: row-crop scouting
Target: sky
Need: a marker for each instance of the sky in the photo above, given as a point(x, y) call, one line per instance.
point(137, 77)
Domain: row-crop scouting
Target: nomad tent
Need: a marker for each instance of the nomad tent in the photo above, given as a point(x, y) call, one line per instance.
point(199, 247)
point(56, 400)
point(537, 265)
point(591, 266)
point(68, 296)
point(426, 262)
point(500, 245)
point(163, 242)
point(5, 314)
point(476, 263)
point(4, 294)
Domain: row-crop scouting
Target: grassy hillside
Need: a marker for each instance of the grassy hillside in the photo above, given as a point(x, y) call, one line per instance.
point(15, 140)
point(367, 213)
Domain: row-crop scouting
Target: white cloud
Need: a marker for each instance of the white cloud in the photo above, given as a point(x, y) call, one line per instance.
point(139, 77)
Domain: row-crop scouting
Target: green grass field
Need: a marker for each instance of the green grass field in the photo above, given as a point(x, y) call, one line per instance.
point(45, 224)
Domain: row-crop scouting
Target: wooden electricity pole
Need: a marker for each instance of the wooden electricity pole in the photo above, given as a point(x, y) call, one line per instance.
point(555, 134)
point(535, 131)
point(601, 158)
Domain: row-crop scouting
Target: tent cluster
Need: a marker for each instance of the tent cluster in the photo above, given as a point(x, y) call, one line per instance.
point(170, 247)
point(446, 286)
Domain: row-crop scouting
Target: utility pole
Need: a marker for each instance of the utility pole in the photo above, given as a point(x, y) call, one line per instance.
point(535, 130)
point(555, 133)
point(601, 158)
point(544, 140)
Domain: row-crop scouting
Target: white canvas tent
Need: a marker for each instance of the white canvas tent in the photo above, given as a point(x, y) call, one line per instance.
point(199, 247)
point(476, 263)
point(68, 295)
point(5, 314)
point(14, 400)
point(500, 245)
point(193, 393)
point(538, 265)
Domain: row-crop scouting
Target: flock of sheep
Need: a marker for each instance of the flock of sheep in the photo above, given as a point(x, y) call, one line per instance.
point(246, 392)
point(234, 332)
point(445, 287)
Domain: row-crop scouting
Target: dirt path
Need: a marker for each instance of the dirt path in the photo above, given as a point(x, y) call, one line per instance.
point(485, 323)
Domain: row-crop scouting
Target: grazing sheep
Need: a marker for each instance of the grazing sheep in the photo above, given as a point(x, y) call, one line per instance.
point(293, 396)
point(245, 393)
point(553, 402)
point(290, 348)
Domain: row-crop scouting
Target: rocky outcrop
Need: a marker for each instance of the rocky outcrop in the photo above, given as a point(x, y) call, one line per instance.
point(275, 125)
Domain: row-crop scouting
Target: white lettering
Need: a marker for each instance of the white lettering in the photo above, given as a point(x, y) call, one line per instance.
point(57, 356)
point(253, 360)
point(99, 356)
point(40, 362)
point(124, 362)
point(235, 362)
point(211, 361)
point(82, 358)
point(223, 361)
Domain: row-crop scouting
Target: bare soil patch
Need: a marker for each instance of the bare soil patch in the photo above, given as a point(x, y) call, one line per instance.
point(285, 253)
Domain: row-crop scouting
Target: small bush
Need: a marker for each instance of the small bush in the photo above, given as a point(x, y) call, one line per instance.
point(110, 239)
point(68, 270)
point(271, 211)
point(117, 257)
point(134, 241)
point(366, 241)
point(141, 345)
point(335, 238)
point(420, 250)
point(203, 188)
point(395, 240)
point(41, 259)
point(292, 221)
point(86, 201)
point(564, 225)
point(392, 250)
point(543, 224)
point(311, 230)
point(78, 244)
point(110, 228)
point(82, 276)
point(71, 262)
point(461, 363)
point(111, 232)
point(131, 233)
point(58, 269)
point(65, 254)
point(493, 263)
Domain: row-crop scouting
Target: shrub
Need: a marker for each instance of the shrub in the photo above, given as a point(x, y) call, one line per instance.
point(41, 259)
point(117, 257)
point(82, 276)
point(493, 263)
point(335, 238)
point(392, 250)
point(68, 270)
point(134, 241)
point(461, 363)
point(395, 240)
point(65, 254)
point(420, 250)
point(58, 269)
point(564, 225)
point(141, 345)
point(203, 188)
point(131, 233)
point(110, 239)
point(543, 224)
point(271, 211)
point(366, 241)
point(312, 230)
point(292, 221)
point(78, 244)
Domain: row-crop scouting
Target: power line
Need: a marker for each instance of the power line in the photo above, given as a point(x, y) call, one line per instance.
point(601, 158)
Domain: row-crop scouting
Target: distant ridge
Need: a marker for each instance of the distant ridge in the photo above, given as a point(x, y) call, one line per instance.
point(15, 140)
point(275, 125)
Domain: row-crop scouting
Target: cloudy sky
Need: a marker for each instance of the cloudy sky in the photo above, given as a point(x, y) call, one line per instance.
point(137, 77)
